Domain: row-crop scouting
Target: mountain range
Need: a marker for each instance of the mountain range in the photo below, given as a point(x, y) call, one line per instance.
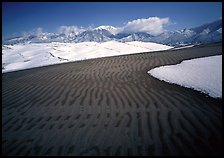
point(207, 33)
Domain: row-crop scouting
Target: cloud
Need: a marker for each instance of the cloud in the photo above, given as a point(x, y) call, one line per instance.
point(152, 25)
point(69, 30)
point(36, 32)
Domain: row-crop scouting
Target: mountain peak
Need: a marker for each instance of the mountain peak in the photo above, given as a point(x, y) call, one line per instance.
point(113, 30)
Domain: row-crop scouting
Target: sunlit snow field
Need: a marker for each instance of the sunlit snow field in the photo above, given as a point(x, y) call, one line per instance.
point(25, 56)
point(203, 74)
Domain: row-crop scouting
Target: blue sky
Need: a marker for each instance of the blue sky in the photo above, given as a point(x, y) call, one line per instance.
point(23, 16)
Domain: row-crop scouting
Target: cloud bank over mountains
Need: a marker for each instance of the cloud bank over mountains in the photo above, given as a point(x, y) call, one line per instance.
point(151, 25)
point(151, 29)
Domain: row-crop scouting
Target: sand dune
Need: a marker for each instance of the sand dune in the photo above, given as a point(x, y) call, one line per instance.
point(109, 106)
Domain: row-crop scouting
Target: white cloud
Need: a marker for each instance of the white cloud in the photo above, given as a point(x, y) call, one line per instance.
point(36, 32)
point(69, 30)
point(152, 25)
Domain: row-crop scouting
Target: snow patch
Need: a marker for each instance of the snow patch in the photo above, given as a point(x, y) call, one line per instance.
point(183, 47)
point(205, 31)
point(220, 30)
point(202, 74)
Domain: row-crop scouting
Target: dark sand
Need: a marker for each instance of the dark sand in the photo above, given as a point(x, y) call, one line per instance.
point(109, 106)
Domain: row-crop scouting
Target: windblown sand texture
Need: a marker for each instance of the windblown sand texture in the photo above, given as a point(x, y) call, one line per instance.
point(109, 106)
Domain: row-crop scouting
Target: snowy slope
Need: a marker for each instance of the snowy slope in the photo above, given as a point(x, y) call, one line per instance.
point(195, 74)
point(20, 57)
point(24, 56)
point(149, 45)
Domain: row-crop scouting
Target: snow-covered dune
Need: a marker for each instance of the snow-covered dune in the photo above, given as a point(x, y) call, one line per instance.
point(25, 56)
point(149, 45)
point(202, 74)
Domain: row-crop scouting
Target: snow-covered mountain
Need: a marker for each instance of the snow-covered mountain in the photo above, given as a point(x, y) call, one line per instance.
point(111, 29)
point(96, 35)
point(175, 37)
point(139, 36)
point(211, 32)
point(33, 38)
point(208, 32)
point(121, 35)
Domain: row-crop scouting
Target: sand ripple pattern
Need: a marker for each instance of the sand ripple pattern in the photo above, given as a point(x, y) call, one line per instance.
point(109, 106)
